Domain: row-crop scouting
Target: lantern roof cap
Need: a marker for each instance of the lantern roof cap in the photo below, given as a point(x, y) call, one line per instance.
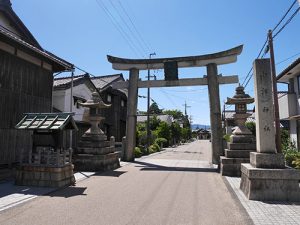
point(95, 102)
point(240, 97)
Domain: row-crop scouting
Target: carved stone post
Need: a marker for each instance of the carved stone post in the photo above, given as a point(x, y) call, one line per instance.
point(266, 177)
point(215, 112)
point(131, 114)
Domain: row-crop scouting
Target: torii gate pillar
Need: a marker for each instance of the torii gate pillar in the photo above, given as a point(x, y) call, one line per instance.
point(215, 112)
point(131, 115)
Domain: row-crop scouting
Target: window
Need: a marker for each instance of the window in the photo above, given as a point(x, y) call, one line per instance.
point(77, 100)
point(108, 98)
point(298, 82)
point(122, 103)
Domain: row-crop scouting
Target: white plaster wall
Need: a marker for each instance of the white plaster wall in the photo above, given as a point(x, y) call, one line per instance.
point(288, 106)
point(283, 109)
point(58, 99)
point(81, 91)
point(5, 23)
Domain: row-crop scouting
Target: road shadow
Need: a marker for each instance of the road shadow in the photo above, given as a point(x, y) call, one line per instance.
point(280, 203)
point(68, 192)
point(154, 167)
point(111, 173)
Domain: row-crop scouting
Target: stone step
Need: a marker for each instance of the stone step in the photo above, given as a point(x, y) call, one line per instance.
point(93, 144)
point(225, 160)
point(239, 146)
point(95, 151)
point(231, 170)
point(238, 153)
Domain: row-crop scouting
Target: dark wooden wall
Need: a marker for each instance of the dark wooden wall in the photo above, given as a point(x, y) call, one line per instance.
point(115, 116)
point(24, 87)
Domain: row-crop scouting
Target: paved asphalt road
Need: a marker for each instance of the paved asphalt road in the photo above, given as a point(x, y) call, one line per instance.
point(176, 186)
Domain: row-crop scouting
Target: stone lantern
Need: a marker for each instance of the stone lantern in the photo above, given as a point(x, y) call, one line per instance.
point(242, 142)
point(94, 117)
point(240, 100)
point(94, 151)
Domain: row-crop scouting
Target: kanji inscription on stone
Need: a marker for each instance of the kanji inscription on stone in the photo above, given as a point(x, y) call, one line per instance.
point(264, 111)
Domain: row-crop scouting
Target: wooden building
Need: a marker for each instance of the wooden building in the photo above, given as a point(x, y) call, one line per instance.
point(114, 123)
point(115, 117)
point(26, 79)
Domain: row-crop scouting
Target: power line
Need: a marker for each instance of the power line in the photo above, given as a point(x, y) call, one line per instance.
point(286, 59)
point(118, 27)
point(128, 27)
point(287, 12)
point(249, 75)
point(287, 22)
point(139, 42)
point(133, 24)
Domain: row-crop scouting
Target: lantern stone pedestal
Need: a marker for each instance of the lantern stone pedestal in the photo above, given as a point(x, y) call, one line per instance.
point(94, 151)
point(266, 178)
point(242, 142)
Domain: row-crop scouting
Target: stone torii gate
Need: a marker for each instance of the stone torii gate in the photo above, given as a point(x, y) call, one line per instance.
point(170, 66)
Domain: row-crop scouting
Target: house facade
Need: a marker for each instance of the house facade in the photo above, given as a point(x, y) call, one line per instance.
point(114, 123)
point(115, 117)
point(289, 101)
point(26, 78)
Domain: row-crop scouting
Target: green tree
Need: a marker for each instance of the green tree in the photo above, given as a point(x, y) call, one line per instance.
point(154, 123)
point(154, 109)
point(177, 114)
point(175, 132)
point(163, 131)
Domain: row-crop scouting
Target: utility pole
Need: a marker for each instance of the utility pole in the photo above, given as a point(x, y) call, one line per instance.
point(71, 105)
point(275, 95)
point(148, 106)
point(185, 108)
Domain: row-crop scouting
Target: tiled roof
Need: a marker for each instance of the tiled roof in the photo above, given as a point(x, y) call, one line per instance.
point(65, 80)
point(41, 52)
point(26, 39)
point(288, 69)
point(104, 81)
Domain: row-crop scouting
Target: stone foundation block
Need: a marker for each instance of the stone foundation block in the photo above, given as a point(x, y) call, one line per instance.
point(95, 151)
point(43, 176)
point(232, 166)
point(93, 144)
point(238, 153)
point(267, 160)
point(265, 184)
point(239, 146)
point(94, 163)
point(242, 139)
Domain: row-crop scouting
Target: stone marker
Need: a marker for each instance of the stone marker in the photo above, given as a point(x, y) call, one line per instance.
point(266, 178)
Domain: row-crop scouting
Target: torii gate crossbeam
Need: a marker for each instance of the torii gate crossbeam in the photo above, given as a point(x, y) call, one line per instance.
point(211, 61)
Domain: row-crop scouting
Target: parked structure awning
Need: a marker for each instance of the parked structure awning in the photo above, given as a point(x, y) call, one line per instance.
point(47, 121)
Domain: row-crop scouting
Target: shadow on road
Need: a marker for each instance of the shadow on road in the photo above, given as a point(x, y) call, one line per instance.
point(68, 192)
point(112, 173)
point(153, 167)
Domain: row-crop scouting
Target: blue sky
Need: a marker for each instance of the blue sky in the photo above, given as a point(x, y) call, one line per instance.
point(81, 33)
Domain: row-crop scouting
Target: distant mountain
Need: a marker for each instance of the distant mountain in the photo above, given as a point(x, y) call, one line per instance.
point(198, 126)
